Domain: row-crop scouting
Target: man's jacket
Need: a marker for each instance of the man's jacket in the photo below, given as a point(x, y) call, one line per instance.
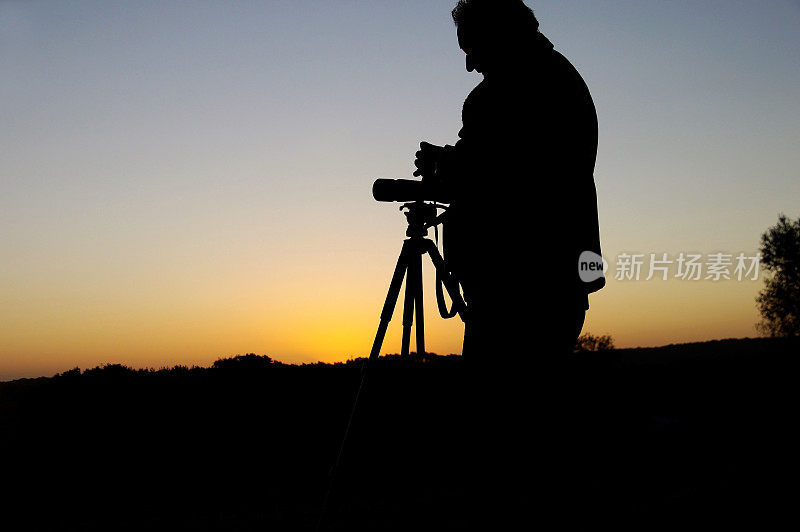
point(521, 181)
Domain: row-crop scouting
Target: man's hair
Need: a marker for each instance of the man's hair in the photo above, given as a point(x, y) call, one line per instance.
point(513, 15)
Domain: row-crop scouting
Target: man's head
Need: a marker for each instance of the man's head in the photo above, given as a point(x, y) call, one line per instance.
point(493, 32)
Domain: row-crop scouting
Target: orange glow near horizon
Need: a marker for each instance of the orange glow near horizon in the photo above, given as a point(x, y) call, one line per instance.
point(325, 318)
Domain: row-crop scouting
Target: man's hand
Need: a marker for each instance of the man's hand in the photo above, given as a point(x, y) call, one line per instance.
point(427, 159)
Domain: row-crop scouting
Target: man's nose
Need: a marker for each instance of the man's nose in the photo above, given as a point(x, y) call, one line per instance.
point(470, 63)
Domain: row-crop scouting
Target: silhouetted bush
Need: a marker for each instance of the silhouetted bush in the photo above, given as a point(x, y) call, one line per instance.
point(248, 362)
point(590, 342)
point(70, 373)
point(111, 370)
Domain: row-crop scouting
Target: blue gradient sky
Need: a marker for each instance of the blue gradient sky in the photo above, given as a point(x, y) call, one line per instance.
point(186, 180)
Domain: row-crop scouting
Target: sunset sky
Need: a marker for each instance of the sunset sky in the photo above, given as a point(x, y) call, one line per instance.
point(183, 181)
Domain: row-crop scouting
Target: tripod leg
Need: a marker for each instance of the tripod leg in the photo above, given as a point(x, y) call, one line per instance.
point(391, 300)
point(415, 272)
point(386, 316)
point(408, 303)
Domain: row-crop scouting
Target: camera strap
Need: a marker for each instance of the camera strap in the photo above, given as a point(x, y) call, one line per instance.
point(444, 312)
point(440, 301)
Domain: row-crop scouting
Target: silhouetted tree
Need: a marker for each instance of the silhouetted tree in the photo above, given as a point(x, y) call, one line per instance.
point(111, 370)
point(248, 362)
point(779, 301)
point(70, 373)
point(590, 342)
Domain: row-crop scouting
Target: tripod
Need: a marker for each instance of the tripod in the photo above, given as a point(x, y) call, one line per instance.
point(421, 216)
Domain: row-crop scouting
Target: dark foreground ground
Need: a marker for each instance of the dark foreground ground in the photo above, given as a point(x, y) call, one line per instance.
point(686, 437)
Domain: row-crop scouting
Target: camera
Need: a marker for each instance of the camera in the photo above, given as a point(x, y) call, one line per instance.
point(407, 190)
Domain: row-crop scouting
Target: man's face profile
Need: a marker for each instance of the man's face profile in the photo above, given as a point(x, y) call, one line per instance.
point(475, 59)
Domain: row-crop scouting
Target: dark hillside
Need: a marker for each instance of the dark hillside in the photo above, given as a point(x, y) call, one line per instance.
point(691, 436)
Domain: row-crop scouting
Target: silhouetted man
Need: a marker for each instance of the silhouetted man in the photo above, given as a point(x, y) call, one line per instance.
point(523, 208)
point(521, 181)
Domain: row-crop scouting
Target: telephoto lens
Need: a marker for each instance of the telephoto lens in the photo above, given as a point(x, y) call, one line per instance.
point(406, 190)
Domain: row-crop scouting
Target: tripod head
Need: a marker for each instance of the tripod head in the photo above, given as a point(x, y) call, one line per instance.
point(421, 216)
